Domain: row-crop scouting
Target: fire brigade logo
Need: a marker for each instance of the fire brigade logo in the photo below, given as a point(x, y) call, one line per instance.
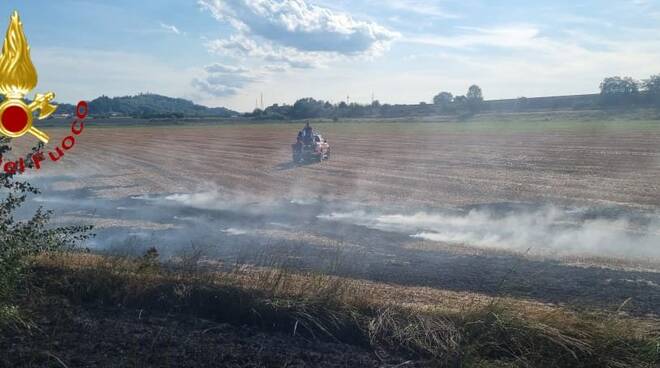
point(18, 77)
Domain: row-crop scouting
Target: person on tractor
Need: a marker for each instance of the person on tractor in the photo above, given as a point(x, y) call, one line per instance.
point(308, 134)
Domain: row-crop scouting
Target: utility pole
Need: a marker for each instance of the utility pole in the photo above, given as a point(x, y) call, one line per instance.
point(262, 100)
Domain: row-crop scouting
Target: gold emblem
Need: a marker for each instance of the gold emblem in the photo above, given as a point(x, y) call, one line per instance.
point(18, 77)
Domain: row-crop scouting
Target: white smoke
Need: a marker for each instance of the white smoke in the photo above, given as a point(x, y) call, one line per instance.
point(219, 201)
point(180, 218)
point(547, 230)
point(234, 231)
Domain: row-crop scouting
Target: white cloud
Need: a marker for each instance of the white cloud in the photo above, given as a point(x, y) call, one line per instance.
point(242, 46)
point(302, 26)
point(222, 68)
point(275, 68)
point(170, 28)
point(510, 36)
point(280, 35)
point(222, 80)
point(426, 8)
point(535, 64)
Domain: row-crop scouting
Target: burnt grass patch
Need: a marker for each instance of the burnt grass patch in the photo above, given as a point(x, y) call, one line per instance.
point(82, 310)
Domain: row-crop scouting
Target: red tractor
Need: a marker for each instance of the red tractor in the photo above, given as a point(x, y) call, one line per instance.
point(312, 149)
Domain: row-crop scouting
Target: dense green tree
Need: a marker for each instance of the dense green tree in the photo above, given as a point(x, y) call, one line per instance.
point(475, 93)
point(619, 86)
point(475, 98)
point(652, 85)
point(443, 99)
point(617, 90)
point(460, 103)
point(307, 108)
point(652, 88)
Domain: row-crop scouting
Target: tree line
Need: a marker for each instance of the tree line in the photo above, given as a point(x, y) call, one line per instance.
point(615, 92)
point(310, 108)
point(618, 91)
point(470, 103)
point(148, 106)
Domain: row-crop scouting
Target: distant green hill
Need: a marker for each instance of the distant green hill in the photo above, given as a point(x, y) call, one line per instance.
point(147, 105)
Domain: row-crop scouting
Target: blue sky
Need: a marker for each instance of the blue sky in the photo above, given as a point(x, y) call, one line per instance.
point(226, 53)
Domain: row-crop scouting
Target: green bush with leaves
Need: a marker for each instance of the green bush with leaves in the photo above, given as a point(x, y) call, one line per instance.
point(22, 239)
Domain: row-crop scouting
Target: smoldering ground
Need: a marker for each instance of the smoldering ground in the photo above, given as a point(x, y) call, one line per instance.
point(219, 219)
point(386, 243)
point(540, 229)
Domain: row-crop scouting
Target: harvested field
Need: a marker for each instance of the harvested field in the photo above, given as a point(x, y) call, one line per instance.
point(450, 164)
point(556, 212)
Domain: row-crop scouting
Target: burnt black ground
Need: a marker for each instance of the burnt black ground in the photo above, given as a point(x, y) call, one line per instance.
point(91, 336)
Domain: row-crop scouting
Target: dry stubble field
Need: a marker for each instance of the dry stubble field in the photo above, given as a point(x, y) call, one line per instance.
point(385, 200)
point(445, 164)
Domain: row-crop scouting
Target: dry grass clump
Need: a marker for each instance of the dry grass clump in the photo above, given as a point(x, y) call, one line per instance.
point(498, 334)
point(447, 328)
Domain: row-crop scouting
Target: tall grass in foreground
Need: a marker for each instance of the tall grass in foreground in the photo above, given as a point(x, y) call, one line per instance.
point(420, 323)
